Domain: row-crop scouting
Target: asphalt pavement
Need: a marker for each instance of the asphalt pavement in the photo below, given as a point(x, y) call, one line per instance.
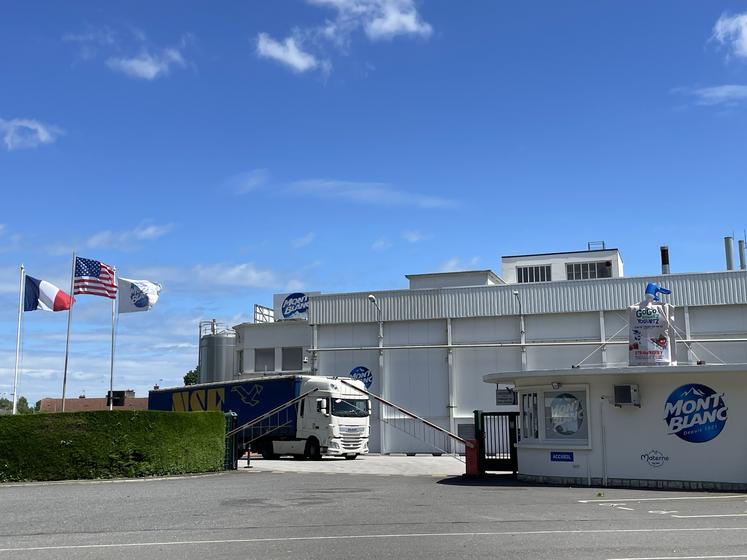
point(262, 512)
point(372, 465)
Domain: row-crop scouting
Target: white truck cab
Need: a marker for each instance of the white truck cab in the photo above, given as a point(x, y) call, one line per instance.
point(333, 420)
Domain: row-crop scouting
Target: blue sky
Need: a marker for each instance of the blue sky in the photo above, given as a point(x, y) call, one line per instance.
point(336, 145)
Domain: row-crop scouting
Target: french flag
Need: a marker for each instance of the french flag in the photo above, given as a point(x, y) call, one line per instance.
point(40, 294)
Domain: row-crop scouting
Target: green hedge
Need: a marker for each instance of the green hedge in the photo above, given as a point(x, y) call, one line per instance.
point(107, 444)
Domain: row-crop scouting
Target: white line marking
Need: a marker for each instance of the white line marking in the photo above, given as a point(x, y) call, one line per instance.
point(388, 536)
point(681, 557)
point(663, 511)
point(710, 515)
point(665, 498)
point(625, 508)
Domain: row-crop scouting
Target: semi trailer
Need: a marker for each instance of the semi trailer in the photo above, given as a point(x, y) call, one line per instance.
point(332, 418)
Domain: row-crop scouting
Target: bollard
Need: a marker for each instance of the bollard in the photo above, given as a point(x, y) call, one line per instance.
point(472, 459)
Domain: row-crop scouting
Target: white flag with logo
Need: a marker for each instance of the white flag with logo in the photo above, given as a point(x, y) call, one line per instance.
point(137, 295)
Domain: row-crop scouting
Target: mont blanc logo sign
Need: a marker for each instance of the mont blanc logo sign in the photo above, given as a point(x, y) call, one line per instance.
point(362, 373)
point(695, 413)
point(295, 305)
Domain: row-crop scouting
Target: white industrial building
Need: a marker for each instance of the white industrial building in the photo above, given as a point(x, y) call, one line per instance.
point(429, 347)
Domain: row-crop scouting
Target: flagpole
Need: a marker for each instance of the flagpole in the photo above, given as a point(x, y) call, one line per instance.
point(67, 338)
point(114, 316)
point(21, 294)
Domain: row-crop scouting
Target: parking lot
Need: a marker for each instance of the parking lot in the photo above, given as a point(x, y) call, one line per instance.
point(377, 507)
point(374, 465)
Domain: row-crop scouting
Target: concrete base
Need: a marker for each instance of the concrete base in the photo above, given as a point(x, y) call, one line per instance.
point(636, 483)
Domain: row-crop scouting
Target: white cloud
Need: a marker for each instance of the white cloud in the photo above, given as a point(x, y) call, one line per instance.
point(724, 95)
point(102, 35)
point(721, 95)
point(247, 182)
point(148, 65)
point(82, 376)
point(287, 52)
point(130, 52)
point(451, 265)
point(379, 194)
point(27, 133)
point(381, 245)
point(304, 241)
point(413, 236)
point(731, 31)
point(379, 19)
point(455, 264)
point(127, 239)
point(245, 275)
point(396, 18)
point(9, 278)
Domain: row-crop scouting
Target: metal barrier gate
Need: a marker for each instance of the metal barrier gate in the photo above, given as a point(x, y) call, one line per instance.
point(496, 436)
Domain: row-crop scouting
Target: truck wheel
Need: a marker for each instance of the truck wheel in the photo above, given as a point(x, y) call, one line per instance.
point(351, 457)
point(312, 450)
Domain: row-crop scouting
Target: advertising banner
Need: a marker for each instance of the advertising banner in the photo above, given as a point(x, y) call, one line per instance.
point(651, 336)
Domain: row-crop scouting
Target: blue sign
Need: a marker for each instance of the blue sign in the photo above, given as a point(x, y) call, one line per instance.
point(695, 413)
point(363, 374)
point(561, 456)
point(295, 305)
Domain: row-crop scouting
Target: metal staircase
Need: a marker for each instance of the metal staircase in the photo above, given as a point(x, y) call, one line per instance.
point(275, 419)
point(417, 427)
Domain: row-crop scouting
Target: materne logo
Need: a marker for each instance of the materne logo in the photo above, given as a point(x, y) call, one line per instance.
point(295, 305)
point(695, 413)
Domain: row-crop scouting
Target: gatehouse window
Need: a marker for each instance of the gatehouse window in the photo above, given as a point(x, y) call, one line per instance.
point(552, 416)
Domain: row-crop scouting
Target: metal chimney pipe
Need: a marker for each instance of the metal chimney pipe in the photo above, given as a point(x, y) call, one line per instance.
point(664, 259)
point(728, 249)
point(742, 262)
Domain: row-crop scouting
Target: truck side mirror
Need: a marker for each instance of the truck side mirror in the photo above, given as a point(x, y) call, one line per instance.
point(321, 405)
point(368, 407)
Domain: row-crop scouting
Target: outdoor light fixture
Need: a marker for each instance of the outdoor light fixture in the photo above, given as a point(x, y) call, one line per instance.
point(372, 299)
point(555, 385)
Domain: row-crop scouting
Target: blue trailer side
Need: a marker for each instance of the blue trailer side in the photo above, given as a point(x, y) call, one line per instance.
point(249, 399)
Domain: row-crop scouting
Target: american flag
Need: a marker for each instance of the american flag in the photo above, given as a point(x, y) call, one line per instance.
point(94, 278)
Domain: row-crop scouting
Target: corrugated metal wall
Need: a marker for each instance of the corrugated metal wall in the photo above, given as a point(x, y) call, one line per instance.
point(713, 288)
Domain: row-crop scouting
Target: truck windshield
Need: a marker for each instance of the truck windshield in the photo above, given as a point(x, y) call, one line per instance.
point(349, 407)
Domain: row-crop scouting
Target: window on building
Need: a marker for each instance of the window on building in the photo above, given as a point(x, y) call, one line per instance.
point(588, 270)
point(264, 359)
point(525, 274)
point(529, 416)
point(565, 415)
point(292, 359)
point(240, 362)
point(555, 416)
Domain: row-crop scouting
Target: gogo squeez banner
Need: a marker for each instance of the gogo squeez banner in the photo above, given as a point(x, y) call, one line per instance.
point(650, 339)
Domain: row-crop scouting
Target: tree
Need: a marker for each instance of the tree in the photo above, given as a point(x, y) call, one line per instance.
point(192, 377)
point(23, 406)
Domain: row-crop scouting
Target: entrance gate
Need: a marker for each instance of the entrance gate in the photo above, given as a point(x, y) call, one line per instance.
point(496, 436)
